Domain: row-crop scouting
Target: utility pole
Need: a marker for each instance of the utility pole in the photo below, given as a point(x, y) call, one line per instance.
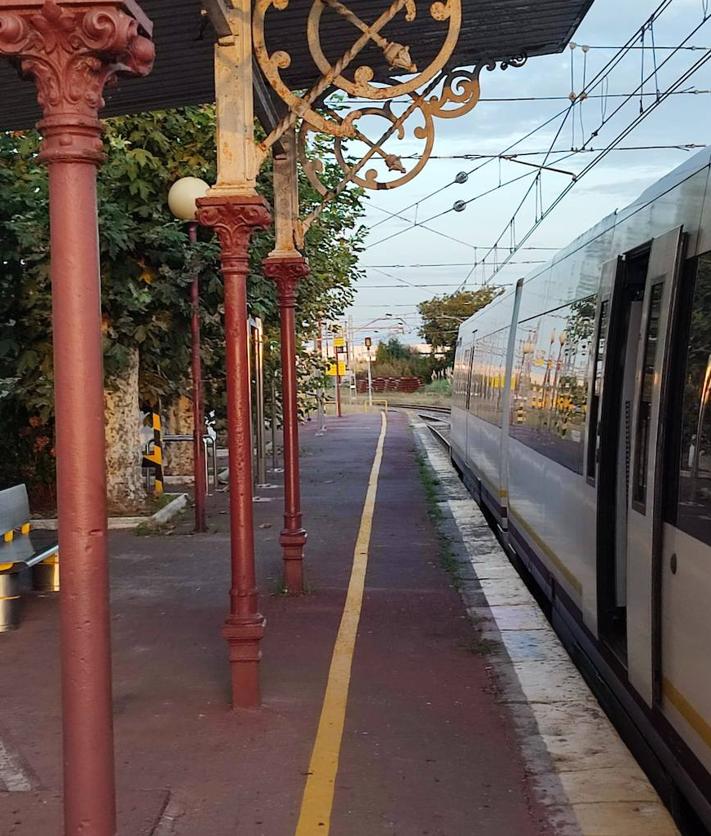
point(321, 394)
point(338, 376)
point(351, 359)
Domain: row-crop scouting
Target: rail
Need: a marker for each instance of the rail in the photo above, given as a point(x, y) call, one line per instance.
point(445, 410)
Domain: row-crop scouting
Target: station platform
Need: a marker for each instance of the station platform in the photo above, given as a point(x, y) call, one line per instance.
point(462, 714)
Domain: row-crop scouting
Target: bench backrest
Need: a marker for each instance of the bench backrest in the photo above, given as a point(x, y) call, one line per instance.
point(14, 524)
point(14, 509)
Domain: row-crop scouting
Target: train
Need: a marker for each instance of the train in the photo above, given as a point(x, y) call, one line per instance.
point(581, 423)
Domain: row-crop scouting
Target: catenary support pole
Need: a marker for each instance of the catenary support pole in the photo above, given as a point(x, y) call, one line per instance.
point(71, 53)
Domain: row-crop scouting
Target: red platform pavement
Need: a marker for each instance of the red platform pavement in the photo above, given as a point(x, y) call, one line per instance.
point(426, 748)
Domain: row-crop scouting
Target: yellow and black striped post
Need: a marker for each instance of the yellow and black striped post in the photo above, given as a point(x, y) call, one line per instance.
point(154, 459)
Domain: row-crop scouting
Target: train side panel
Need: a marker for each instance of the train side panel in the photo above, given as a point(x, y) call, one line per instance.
point(611, 352)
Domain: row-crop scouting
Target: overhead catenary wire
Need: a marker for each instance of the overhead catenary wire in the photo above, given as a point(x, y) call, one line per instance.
point(593, 84)
point(532, 132)
point(486, 193)
point(672, 146)
point(550, 98)
point(500, 185)
point(602, 154)
point(451, 263)
point(430, 229)
point(625, 132)
point(425, 224)
point(403, 287)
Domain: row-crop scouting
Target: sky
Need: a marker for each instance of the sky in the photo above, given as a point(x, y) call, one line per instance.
point(397, 246)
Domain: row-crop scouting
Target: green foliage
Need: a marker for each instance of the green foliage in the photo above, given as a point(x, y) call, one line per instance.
point(442, 316)
point(439, 387)
point(395, 359)
point(147, 264)
point(393, 349)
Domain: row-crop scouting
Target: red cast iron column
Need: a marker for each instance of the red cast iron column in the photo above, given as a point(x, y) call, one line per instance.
point(200, 481)
point(286, 273)
point(71, 52)
point(235, 218)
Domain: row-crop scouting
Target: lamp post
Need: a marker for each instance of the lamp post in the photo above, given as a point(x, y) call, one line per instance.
point(181, 201)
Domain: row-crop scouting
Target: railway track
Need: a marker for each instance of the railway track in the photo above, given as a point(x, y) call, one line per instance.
point(444, 410)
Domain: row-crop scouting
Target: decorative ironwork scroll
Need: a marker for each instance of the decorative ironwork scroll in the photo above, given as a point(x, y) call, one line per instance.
point(406, 101)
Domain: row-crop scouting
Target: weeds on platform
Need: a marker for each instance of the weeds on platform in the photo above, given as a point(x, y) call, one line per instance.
point(431, 485)
point(149, 529)
point(479, 646)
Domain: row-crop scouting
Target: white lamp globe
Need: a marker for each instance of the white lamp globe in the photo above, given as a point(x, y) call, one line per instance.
point(182, 196)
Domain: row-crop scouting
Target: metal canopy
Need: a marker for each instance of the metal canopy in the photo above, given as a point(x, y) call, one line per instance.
point(184, 74)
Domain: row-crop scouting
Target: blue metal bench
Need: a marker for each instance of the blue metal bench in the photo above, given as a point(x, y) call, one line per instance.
point(18, 552)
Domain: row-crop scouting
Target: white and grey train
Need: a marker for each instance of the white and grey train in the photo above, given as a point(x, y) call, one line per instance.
point(581, 421)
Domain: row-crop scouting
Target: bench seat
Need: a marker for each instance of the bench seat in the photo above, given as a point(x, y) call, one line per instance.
point(18, 552)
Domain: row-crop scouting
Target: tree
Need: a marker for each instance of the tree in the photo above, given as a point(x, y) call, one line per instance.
point(393, 349)
point(147, 265)
point(442, 316)
point(395, 359)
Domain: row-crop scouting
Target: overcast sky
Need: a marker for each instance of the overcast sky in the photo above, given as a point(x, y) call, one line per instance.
point(491, 126)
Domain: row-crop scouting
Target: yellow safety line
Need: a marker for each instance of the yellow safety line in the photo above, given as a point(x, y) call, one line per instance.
point(548, 552)
point(317, 801)
point(687, 711)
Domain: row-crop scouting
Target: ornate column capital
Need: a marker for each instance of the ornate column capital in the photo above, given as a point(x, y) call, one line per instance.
point(286, 272)
point(234, 218)
point(71, 51)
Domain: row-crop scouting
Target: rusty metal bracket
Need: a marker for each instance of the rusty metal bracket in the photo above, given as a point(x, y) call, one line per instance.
point(432, 92)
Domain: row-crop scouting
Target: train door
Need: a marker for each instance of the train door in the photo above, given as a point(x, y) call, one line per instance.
point(467, 404)
point(459, 395)
point(644, 509)
point(683, 674)
point(506, 402)
point(619, 318)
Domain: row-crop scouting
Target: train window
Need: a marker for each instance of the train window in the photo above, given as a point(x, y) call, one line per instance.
point(464, 378)
point(644, 412)
point(550, 387)
point(689, 505)
point(598, 373)
point(468, 379)
point(459, 383)
point(488, 377)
